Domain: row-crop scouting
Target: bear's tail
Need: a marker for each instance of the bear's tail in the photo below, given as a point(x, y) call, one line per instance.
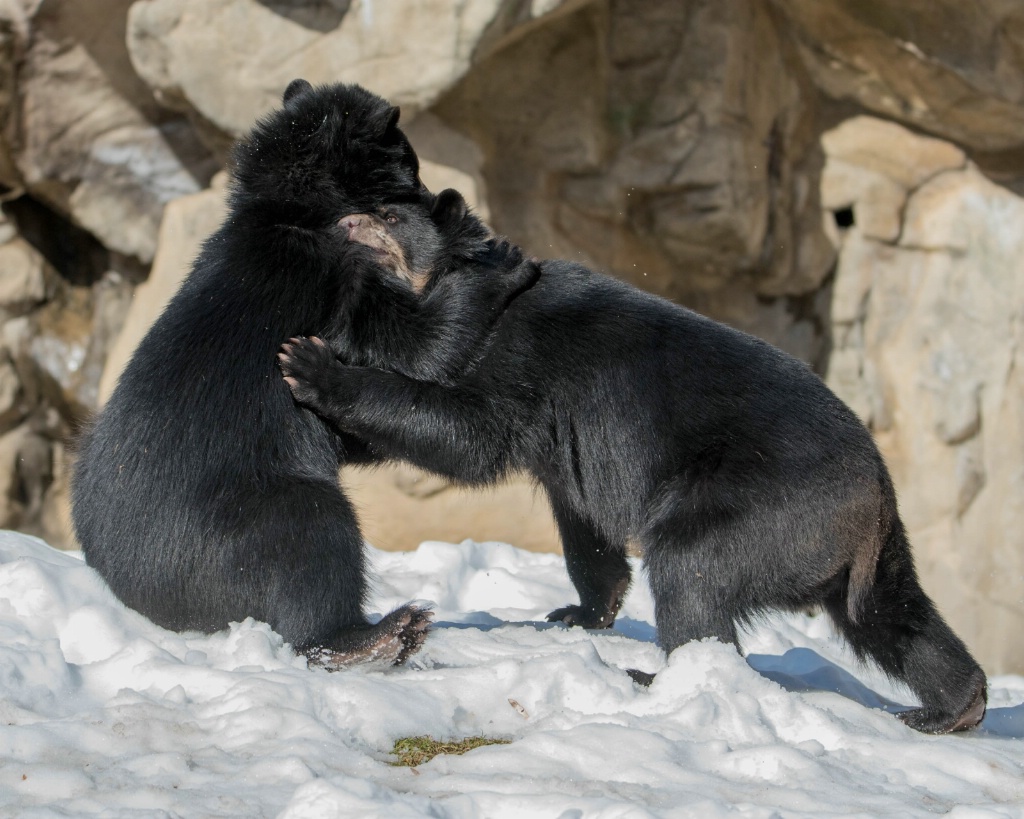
point(888, 618)
point(887, 537)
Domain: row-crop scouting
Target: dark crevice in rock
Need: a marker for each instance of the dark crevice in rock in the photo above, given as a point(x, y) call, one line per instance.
point(844, 218)
point(74, 253)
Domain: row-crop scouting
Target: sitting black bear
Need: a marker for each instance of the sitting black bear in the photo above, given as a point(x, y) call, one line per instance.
point(203, 494)
point(748, 485)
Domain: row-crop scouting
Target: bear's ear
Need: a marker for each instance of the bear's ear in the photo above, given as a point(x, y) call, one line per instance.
point(296, 88)
point(383, 121)
point(449, 207)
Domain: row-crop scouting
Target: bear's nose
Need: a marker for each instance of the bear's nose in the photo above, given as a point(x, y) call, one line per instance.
point(350, 223)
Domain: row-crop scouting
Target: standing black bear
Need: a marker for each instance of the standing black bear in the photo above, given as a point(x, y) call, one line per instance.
point(748, 484)
point(202, 494)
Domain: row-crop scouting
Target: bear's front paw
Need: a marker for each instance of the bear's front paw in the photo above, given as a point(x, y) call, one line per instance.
point(524, 276)
point(305, 362)
point(503, 255)
point(583, 617)
point(516, 272)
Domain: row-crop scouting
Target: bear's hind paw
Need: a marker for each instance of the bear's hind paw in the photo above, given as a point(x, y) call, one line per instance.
point(390, 642)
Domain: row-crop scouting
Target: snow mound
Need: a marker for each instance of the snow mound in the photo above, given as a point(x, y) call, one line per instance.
point(103, 713)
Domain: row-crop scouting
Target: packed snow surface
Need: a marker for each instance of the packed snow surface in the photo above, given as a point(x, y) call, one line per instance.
point(104, 714)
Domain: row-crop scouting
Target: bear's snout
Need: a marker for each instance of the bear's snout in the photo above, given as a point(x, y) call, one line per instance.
point(350, 223)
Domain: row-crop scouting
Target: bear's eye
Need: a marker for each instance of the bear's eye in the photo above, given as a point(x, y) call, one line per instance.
point(390, 218)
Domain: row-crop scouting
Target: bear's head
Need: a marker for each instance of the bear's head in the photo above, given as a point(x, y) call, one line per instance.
point(328, 151)
point(415, 240)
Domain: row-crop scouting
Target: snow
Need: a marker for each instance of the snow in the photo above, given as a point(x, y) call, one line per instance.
point(104, 714)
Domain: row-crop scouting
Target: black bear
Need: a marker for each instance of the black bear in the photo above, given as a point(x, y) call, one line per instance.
point(202, 493)
point(463, 277)
point(747, 483)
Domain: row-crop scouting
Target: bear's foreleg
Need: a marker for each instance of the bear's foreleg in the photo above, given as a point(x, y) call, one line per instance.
point(598, 569)
point(459, 432)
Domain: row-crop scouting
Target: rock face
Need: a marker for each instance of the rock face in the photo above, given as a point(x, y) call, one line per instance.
point(408, 53)
point(749, 158)
point(187, 222)
point(649, 139)
point(953, 69)
point(928, 333)
point(95, 146)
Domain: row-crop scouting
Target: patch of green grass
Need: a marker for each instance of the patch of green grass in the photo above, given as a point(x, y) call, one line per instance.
point(412, 751)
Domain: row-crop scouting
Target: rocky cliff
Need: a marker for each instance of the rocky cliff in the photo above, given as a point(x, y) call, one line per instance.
point(839, 178)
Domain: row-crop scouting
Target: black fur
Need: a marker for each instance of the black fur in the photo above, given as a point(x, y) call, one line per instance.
point(435, 337)
point(202, 493)
point(747, 483)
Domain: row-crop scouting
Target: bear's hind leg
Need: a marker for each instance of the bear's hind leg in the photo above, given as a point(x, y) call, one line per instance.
point(690, 555)
point(692, 600)
point(899, 628)
point(314, 576)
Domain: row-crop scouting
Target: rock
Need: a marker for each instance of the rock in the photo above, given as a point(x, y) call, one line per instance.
point(399, 508)
point(187, 222)
point(59, 340)
point(7, 230)
point(13, 35)
point(669, 144)
point(872, 166)
point(113, 296)
point(55, 525)
point(58, 349)
point(888, 151)
point(953, 69)
point(25, 473)
point(130, 174)
point(448, 159)
point(408, 53)
point(23, 283)
point(927, 348)
point(12, 408)
point(89, 147)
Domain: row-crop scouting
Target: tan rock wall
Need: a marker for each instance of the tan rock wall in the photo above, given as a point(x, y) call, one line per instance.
point(671, 144)
point(407, 52)
point(954, 69)
point(927, 314)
